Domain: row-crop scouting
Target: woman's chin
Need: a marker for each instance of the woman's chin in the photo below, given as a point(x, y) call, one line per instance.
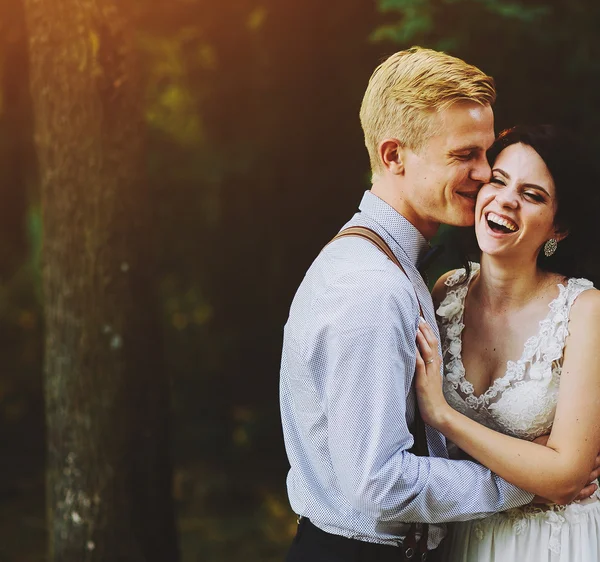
point(492, 248)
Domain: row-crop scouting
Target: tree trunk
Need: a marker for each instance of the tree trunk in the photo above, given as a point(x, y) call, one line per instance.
point(109, 477)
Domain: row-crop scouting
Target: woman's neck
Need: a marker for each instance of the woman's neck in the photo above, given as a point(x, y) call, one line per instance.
point(505, 285)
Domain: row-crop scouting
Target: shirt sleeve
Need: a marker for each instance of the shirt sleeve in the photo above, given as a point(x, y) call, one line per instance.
point(366, 325)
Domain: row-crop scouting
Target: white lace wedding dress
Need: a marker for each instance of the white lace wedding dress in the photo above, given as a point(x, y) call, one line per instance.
point(522, 404)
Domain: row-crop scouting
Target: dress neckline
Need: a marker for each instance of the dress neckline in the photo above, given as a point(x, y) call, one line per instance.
point(513, 368)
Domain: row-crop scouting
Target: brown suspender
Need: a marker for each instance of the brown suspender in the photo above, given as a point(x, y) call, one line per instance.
point(410, 546)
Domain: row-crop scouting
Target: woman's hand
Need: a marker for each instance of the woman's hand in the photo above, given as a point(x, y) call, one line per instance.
point(428, 382)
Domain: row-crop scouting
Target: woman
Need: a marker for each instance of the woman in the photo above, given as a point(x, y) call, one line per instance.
point(521, 341)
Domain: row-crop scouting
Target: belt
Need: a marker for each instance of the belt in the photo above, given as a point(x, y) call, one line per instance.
point(415, 550)
point(410, 549)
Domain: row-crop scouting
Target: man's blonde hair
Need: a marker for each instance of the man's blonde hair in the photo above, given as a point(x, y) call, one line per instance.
point(408, 89)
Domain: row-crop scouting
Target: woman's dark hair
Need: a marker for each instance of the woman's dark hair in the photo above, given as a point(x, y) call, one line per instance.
point(576, 194)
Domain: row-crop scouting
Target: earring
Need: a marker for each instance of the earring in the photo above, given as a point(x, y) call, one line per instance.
point(550, 247)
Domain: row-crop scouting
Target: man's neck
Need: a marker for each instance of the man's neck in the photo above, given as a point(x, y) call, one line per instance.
point(394, 198)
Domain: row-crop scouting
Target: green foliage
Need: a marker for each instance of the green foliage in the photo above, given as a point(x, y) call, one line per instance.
point(433, 22)
point(419, 18)
point(170, 105)
point(544, 55)
point(515, 11)
point(34, 235)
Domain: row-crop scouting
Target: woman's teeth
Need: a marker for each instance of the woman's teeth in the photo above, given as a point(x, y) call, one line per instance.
point(500, 221)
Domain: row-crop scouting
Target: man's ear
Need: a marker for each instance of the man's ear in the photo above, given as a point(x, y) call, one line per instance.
point(391, 154)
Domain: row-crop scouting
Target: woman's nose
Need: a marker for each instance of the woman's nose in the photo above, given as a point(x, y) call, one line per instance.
point(507, 198)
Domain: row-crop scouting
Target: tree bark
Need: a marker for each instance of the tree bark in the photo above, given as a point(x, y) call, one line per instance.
point(107, 397)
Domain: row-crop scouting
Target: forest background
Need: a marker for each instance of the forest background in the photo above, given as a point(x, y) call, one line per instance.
point(254, 158)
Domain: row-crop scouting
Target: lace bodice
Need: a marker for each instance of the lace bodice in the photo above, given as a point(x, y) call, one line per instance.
point(522, 403)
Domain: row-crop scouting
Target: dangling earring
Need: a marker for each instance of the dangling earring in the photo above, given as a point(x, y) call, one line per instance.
point(550, 247)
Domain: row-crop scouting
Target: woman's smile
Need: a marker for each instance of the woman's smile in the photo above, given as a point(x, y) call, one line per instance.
point(501, 224)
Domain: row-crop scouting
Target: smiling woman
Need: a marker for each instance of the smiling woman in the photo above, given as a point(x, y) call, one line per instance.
point(515, 211)
point(541, 174)
point(560, 183)
point(522, 354)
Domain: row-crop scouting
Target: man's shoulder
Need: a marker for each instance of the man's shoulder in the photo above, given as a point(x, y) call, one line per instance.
point(352, 260)
point(358, 284)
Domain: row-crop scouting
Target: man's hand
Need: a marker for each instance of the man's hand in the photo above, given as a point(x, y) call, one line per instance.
point(587, 491)
point(592, 486)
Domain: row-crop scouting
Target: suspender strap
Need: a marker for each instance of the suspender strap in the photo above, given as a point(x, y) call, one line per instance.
point(412, 549)
point(375, 239)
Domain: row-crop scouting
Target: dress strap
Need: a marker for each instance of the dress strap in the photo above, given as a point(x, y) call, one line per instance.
point(561, 307)
point(459, 277)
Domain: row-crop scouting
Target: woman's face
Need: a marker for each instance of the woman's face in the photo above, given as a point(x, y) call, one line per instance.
point(514, 214)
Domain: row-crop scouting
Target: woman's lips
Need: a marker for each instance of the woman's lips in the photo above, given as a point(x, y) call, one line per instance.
point(501, 222)
point(493, 233)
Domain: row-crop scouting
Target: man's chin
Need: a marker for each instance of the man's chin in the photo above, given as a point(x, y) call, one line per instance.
point(458, 217)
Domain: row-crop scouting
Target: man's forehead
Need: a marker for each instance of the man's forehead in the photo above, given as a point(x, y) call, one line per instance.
point(468, 127)
point(479, 112)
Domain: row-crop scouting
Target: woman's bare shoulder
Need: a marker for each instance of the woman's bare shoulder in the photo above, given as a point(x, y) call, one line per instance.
point(586, 308)
point(440, 289)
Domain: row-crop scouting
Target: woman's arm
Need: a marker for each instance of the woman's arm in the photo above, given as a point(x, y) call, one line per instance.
point(559, 470)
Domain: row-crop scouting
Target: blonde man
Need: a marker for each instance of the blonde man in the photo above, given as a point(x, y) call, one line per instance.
point(347, 403)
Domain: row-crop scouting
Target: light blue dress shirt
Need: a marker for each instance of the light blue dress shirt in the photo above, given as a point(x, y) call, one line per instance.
point(347, 402)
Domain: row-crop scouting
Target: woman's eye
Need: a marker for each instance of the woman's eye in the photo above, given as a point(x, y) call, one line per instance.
point(534, 197)
point(497, 181)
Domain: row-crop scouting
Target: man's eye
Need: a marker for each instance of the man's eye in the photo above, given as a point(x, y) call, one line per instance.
point(465, 157)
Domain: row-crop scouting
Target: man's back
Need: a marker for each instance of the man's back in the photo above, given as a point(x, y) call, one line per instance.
point(348, 271)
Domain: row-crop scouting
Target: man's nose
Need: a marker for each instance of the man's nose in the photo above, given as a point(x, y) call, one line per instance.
point(481, 171)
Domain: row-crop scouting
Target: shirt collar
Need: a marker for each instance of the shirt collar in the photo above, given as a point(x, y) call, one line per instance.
point(400, 229)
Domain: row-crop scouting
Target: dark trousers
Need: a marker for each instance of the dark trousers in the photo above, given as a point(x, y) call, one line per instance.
point(311, 544)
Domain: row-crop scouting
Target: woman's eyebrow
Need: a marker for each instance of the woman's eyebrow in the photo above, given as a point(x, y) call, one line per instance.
point(530, 185)
point(536, 186)
point(499, 170)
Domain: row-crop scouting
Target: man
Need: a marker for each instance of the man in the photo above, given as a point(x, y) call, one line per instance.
point(347, 403)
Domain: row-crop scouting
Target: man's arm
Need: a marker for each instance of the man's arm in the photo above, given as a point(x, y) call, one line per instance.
point(366, 328)
point(559, 470)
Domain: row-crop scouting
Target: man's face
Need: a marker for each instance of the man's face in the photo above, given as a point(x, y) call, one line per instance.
point(445, 175)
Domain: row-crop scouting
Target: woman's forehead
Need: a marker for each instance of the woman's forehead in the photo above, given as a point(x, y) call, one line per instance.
point(522, 164)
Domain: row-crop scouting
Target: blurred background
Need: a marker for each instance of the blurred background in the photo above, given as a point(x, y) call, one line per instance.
point(255, 159)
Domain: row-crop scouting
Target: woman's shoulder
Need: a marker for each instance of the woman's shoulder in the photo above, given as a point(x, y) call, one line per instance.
point(584, 314)
point(440, 289)
point(584, 303)
point(582, 284)
point(584, 294)
point(449, 280)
